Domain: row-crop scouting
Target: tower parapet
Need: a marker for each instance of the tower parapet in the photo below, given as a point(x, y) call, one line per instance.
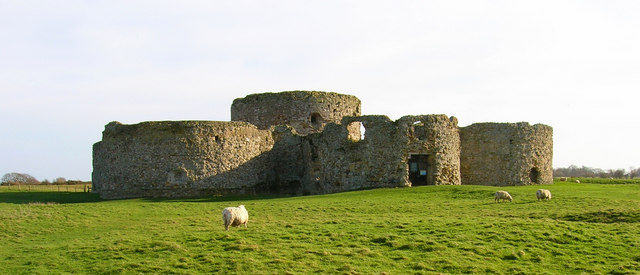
point(306, 111)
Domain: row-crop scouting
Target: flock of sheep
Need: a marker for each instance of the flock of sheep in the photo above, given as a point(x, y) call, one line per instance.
point(236, 216)
point(541, 194)
point(567, 179)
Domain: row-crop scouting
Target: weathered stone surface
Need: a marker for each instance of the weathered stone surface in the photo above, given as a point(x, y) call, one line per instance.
point(180, 159)
point(338, 163)
point(506, 154)
point(288, 152)
point(305, 111)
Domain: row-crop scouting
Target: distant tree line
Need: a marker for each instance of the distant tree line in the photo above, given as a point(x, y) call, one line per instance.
point(588, 172)
point(25, 179)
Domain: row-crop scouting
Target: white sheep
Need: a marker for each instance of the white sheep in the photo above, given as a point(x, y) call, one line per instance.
point(502, 195)
point(543, 194)
point(235, 216)
point(577, 181)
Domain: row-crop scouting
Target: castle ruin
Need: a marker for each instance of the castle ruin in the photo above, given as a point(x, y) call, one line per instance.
point(304, 142)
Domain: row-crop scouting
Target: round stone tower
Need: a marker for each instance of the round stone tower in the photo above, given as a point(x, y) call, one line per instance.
point(180, 159)
point(306, 111)
point(506, 154)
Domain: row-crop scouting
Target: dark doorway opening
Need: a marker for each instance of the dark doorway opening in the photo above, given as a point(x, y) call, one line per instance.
point(534, 175)
point(420, 169)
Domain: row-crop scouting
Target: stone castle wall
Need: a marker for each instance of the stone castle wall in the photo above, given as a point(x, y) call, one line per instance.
point(506, 154)
point(438, 136)
point(196, 158)
point(310, 143)
point(339, 162)
point(180, 159)
point(305, 111)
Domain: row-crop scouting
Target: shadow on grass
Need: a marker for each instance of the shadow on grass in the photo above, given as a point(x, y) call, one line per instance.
point(606, 216)
point(219, 198)
point(44, 197)
point(82, 197)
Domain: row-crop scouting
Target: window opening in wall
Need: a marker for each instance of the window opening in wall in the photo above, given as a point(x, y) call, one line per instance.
point(316, 120)
point(421, 169)
point(354, 131)
point(420, 131)
point(534, 175)
point(362, 130)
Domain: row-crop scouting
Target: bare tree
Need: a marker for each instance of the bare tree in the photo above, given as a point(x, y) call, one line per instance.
point(60, 180)
point(18, 178)
point(588, 172)
point(634, 172)
point(617, 173)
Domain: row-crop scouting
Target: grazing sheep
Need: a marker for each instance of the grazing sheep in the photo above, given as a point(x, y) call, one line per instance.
point(543, 194)
point(563, 179)
point(235, 216)
point(502, 195)
point(577, 181)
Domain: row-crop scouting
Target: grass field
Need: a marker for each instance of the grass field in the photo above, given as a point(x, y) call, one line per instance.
point(592, 228)
point(605, 181)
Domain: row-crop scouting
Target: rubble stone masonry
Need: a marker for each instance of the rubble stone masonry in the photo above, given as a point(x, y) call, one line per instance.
point(305, 111)
point(506, 154)
point(300, 143)
point(179, 158)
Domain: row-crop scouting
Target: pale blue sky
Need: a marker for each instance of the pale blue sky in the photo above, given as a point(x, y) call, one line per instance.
point(67, 68)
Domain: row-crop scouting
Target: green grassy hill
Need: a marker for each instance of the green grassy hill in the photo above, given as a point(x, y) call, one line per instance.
point(593, 228)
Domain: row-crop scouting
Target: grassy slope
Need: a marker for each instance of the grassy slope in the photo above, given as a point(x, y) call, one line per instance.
point(585, 228)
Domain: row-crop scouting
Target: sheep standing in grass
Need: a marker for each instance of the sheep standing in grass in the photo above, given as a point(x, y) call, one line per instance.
point(502, 195)
point(235, 216)
point(577, 181)
point(543, 194)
